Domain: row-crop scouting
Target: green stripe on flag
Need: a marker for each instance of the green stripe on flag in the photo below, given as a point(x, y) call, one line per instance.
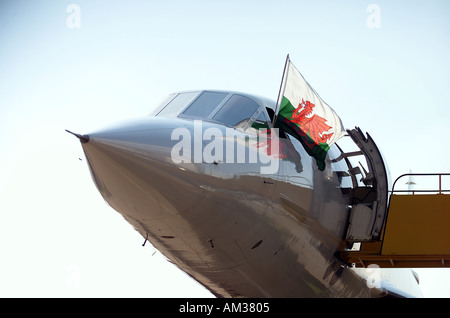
point(285, 123)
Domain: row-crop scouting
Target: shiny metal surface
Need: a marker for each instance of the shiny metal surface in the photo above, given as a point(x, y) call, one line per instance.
point(238, 232)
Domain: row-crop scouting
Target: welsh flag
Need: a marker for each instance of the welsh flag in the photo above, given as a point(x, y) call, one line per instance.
point(305, 116)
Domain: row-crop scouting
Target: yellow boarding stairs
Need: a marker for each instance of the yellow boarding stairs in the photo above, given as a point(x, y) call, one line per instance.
point(416, 232)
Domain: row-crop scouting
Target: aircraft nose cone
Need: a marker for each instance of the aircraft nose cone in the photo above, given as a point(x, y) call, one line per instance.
point(132, 167)
point(83, 138)
point(144, 140)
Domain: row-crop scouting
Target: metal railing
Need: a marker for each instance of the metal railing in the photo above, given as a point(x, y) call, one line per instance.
point(439, 190)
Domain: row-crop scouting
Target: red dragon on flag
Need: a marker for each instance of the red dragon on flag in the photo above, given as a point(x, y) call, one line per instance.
point(314, 125)
point(313, 122)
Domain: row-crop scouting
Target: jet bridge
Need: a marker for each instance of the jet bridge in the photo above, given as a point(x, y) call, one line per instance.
point(417, 229)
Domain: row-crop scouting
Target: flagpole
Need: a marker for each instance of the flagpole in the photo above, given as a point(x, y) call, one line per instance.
point(279, 92)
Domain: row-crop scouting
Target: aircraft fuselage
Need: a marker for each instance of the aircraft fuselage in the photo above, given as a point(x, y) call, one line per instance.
point(206, 196)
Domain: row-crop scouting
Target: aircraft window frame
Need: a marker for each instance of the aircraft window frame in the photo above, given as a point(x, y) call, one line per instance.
point(182, 114)
point(260, 110)
point(249, 122)
point(265, 121)
point(163, 104)
point(252, 119)
point(169, 100)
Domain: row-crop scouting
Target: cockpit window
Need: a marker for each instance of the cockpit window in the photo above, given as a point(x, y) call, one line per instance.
point(205, 104)
point(233, 110)
point(177, 104)
point(260, 122)
point(237, 111)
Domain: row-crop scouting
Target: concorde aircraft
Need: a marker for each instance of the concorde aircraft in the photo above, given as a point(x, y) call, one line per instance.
point(239, 205)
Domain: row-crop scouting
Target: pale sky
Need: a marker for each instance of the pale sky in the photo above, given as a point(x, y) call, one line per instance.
point(381, 65)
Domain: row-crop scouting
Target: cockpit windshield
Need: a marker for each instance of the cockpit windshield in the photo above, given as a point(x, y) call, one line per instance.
point(204, 105)
point(175, 103)
point(230, 109)
point(237, 111)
